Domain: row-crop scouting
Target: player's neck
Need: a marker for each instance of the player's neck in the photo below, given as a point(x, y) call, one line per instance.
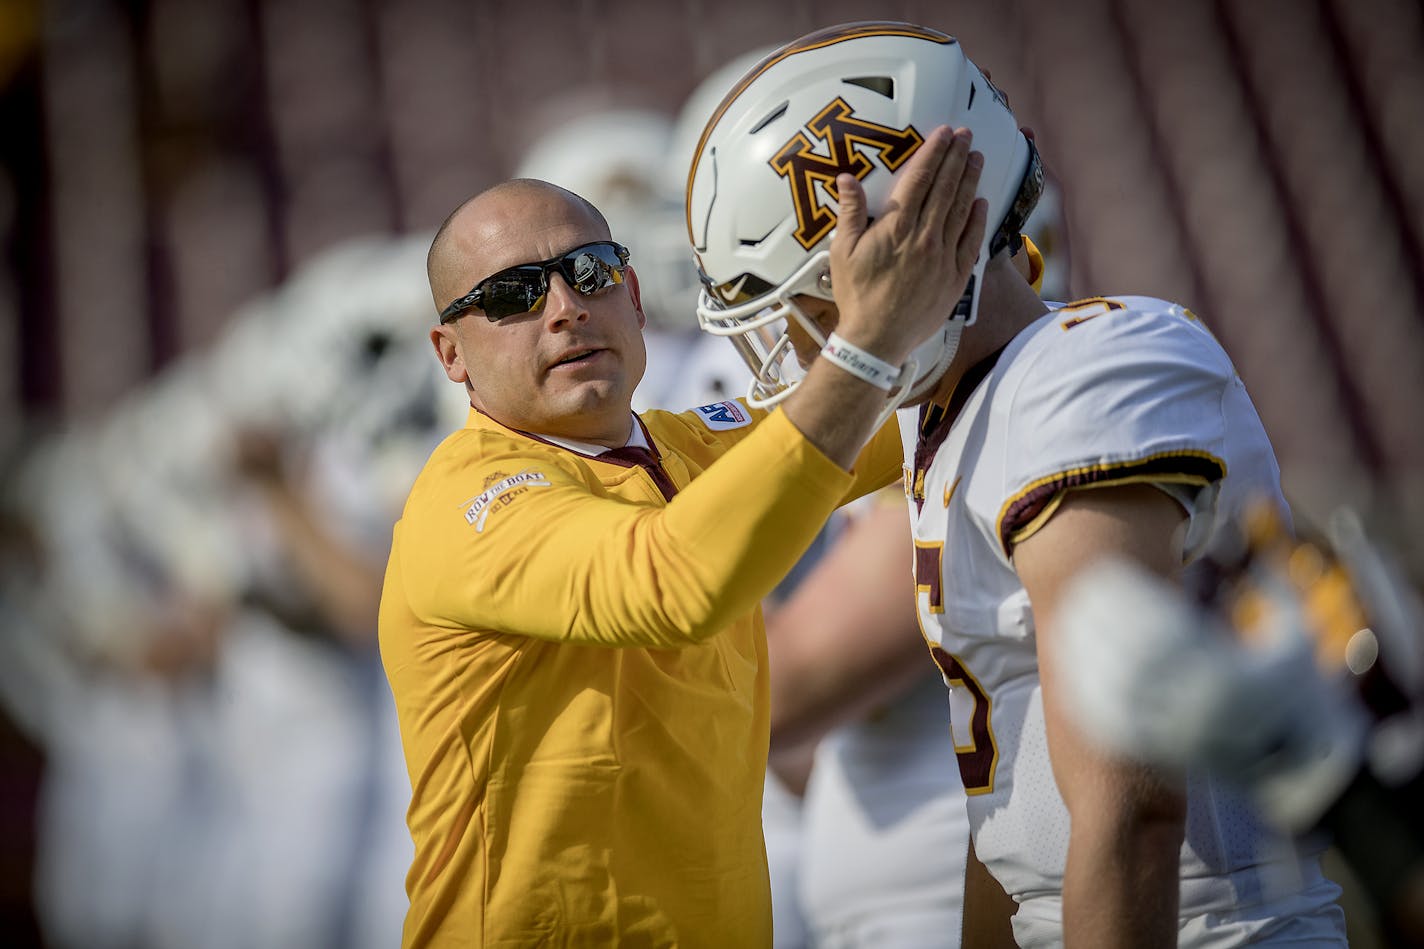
point(1006, 306)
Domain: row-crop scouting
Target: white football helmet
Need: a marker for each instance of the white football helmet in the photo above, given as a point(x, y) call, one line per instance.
point(761, 203)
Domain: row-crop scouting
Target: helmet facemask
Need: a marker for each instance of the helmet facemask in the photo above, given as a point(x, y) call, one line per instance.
point(757, 328)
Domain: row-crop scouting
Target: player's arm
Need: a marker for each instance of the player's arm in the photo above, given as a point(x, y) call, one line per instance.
point(846, 640)
point(343, 585)
point(1120, 884)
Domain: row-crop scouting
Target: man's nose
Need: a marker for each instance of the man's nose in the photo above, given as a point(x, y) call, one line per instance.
point(563, 304)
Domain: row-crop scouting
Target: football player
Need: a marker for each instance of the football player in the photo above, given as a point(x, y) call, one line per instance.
point(1037, 443)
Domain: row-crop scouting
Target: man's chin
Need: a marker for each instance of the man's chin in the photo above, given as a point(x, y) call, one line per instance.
point(593, 396)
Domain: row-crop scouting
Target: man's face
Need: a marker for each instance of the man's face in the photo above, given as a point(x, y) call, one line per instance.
point(568, 370)
point(824, 314)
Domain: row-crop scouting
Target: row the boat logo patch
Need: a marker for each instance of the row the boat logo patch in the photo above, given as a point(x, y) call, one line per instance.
point(500, 491)
point(804, 163)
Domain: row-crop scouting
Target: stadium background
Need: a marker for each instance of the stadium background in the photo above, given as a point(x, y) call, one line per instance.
point(167, 168)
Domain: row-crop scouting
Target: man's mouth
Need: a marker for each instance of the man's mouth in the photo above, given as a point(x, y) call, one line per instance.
point(576, 356)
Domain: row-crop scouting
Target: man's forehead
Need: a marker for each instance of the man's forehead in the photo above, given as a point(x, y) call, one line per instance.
point(519, 226)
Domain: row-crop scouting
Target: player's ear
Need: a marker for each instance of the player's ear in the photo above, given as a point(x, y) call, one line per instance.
point(630, 277)
point(450, 353)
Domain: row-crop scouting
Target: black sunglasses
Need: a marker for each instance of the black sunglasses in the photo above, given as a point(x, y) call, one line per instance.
point(522, 288)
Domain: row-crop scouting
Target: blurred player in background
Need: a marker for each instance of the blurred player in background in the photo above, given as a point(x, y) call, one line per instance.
point(1045, 441)
point(884, 834)
point(194, 644)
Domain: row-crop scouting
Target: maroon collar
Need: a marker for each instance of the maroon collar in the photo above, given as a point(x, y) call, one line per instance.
point(937, 420)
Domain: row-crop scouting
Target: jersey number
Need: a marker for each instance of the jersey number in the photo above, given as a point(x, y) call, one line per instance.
point(977, 759)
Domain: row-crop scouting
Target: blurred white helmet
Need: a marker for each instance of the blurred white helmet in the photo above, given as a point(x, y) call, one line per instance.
point(675, 282)
point(612, 157)
point(616, 158)
point(697, 110)
point(761, 204)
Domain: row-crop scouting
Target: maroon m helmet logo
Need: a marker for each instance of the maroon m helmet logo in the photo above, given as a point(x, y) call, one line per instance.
point(839, 132)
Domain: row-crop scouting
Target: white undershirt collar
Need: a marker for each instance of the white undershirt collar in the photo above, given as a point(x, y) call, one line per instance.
point(636, 440)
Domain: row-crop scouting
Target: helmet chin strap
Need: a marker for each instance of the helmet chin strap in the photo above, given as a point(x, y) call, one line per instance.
point(901, 396)
point(935, 354)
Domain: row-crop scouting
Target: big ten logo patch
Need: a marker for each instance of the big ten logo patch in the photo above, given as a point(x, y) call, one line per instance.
point(500, 491)
point(721, 416)
point(804, 163)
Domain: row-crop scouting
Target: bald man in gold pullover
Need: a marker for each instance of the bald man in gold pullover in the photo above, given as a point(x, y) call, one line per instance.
point(570, 617)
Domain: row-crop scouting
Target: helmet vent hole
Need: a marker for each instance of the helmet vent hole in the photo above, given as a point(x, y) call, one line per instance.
point(884, 85)
point(770, 117)
point(754, 241)
point(972, 89)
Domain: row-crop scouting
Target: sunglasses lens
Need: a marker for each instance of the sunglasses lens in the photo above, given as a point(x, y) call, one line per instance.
point(512, 292)
point(521, 289)
point(590, 269)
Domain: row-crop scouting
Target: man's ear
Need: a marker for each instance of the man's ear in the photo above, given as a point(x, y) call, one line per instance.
point(630, 277)
point(450, 353)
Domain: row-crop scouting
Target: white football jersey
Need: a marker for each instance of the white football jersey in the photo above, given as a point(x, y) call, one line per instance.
point(884, 835)
point(1101, 392)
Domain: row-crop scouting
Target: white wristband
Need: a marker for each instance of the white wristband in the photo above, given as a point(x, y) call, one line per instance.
point(860, 363)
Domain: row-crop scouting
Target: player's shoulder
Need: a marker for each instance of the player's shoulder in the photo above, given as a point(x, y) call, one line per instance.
point(1116, 336)
point(1116, 317)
